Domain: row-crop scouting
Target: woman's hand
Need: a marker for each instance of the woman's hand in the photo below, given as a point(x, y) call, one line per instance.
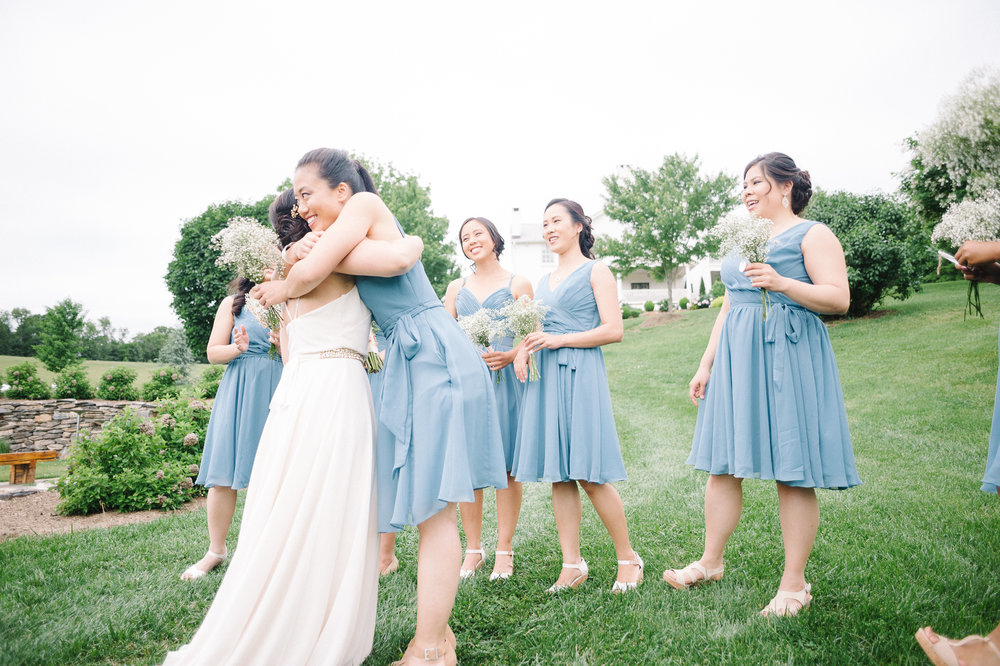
point(521, 365)
point(270, 293)
point(241, 339)
point(274, 337)
point(496, 360)
point(302, 247)
point(696, 389)
point(976, 253)
point(763, 276)
point(541, 340)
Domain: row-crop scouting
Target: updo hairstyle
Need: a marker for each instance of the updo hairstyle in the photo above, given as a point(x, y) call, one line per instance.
point(336, 167)
point(781, 168)
point(586, 232)
point(491, 228)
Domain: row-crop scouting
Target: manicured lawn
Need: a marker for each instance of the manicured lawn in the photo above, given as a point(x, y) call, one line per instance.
point(50, 469)
point(95, 369)
point(917, 544)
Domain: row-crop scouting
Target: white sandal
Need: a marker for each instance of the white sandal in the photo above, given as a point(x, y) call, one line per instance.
point(779, 605)
point(469, 573)
point(622, 586)
point(194, 573)
point(674, 576)
point(576, 582)
point(507, 574)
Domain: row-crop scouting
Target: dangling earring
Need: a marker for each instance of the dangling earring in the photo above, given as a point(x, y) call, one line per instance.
point(784, 202)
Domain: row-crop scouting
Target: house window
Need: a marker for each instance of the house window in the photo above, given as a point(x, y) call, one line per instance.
point(639, 285)
point(547, 256)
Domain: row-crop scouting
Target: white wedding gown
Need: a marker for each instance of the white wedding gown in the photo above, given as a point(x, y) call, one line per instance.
point(303, 583)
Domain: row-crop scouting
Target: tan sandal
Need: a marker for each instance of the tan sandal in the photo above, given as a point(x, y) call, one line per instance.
point(685, 578)
point(469, 573)
point(576, 582)
point(975, 649)
point(780, 606)
point(194, 573)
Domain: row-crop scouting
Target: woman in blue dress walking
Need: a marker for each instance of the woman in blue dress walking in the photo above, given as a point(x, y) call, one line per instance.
point(773, 408)
point(567, 433)
point(491, 287)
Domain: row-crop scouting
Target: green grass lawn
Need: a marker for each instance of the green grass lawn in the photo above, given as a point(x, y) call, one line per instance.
point(917, 544)
point(144, 371)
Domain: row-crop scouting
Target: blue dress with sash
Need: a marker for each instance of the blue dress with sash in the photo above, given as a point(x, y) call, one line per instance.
point(567, 430)
point(438, 432)
point(774, 408)
point(509, 390)
point(992, 478)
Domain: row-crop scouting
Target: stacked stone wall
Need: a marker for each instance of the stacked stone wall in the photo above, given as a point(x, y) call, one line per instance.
point(51, 425)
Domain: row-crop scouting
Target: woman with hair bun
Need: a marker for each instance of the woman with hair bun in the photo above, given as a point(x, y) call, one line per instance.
point(567, 433)
point(774, 408)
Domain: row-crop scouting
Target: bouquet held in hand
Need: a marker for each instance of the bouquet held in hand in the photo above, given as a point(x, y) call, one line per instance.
point(483, 328)
point(522, 317)
point(971, 220)
point(747, 235)
point(250, 249)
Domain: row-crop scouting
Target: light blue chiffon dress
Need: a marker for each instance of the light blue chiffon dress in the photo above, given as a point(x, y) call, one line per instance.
point(510, 389)
point(774, 408)
point(438, 431)
point(240, 410)
point(567, 429)
point(992, 478)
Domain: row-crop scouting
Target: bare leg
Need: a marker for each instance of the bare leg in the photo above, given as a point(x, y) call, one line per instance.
point(723, 506)
point(508, 511)
point(221, 507)
point(568, 511)
point(387, 562)
point(609, 507)
point(472, 523)
point(799, 512)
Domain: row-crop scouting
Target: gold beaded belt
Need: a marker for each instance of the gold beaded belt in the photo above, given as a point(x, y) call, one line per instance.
point(343, 352)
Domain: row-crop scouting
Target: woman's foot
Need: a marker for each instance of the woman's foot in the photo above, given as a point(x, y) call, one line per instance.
point(442, 653)
point(475, 558)
point(204, 565)
point(629, 574)
point(692, 575)
point(386, 568)
point(572, 576)
point(971, 650)
point(788, 604)
point(503, 565)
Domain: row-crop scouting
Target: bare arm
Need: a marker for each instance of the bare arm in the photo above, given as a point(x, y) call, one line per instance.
point(610, 329)
point(220, 349)
point(451, 296)
point(696, 389)
point(377, 258)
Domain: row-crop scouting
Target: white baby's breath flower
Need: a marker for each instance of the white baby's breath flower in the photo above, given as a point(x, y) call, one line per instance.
point(972, 219)
point(248, 247)
point(744, 233)
point(523, 315)
point(482, 327)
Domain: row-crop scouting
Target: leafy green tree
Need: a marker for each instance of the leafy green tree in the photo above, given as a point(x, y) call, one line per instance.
point(884, 245)
point(665, 213)
point(60, 335)
point(25, 331)
point(100, 341)
point(147, 346)
point(175, 350)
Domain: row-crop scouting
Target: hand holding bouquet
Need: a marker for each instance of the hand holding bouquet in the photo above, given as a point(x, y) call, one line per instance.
point(483, 328)
point(747, 235)
point(522, 317)
point(971, 220)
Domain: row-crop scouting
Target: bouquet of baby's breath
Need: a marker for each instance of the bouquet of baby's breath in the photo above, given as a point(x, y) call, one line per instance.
point(975, 220)
point(522, 317)
point(747, 235)
point(373, 361)
point(483, 328)
point(250, 249)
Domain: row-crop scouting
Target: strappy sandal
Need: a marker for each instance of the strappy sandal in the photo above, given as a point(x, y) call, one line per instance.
point(780, 605)
point(495, 575)
point(576, 582)
point(469, 573)
point(683, 579)
point(194, 573)
point(621, 586)
point(942, 653)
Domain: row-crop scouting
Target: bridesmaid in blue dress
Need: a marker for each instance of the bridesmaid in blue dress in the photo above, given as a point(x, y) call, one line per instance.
point(491, 287)
point(774, 407)
point(567, 433)
point(438, 432)
point(238, 416)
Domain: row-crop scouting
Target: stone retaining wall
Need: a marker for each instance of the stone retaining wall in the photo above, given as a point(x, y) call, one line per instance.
point(51, 425)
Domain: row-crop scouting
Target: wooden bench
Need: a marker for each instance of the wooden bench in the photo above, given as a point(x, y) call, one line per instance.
point(22, 465)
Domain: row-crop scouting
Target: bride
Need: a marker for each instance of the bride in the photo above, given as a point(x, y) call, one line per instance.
point(303, 583)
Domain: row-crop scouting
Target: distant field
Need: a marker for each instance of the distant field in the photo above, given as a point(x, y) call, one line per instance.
point(96, 368)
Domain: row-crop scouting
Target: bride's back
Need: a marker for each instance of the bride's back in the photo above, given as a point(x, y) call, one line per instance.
point(329, 317)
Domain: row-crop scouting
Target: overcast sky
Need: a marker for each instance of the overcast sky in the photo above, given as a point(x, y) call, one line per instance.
point(121, 119)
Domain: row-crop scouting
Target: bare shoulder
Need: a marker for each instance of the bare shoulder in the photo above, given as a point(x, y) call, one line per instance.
point(600, 271)
point(453, 287)
point(521, 285)
point(225, 305)
point(819, 235)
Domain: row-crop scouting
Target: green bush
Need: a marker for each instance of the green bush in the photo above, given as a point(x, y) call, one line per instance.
point(208, 385)
point(663, 305)
point(628, 311)
point(165, 383)
point(25, 383)
point(135, 464)
point(683, 303)
point(718, 289)
point(648, 306)
point(717, 302)
point(72, 382)
point(4, 445)
point(117, 384)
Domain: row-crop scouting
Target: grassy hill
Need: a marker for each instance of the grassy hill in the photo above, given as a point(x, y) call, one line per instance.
point(95, 369)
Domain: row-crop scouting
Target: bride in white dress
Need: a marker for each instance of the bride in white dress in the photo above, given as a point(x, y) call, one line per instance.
point(303, 583)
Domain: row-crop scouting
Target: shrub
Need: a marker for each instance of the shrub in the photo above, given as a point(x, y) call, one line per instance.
point(208, 385)
point(717, 302)
point(701, 303)
point(683, 304)
point(648, 306)
point(165, 383)
point(4, 445)
point(72, 382)
point(25, 383)
point(135, 464)
point(628, 311)
point(116, 384)
point(718, 289)
point(663, 305)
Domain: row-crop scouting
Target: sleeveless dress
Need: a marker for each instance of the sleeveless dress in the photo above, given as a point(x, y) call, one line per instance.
point(992, 478)
point(438, 432)
point(509, 391)
point(567, 430)
point(303, 583)
point(774, 408)
point(239, 410)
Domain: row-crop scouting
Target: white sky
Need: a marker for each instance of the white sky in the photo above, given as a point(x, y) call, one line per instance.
point(121, 119)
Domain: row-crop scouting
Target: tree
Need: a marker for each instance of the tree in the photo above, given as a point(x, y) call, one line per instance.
point(147, 346)
point(410, 202)
point(175, 350)
point(60, 335)
point(101, 341)
point(665, 214)
point(884, 245)
point(25, 331)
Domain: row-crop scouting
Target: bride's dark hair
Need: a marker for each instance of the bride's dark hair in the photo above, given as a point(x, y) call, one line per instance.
point(336, 167)
point(240, 287)
point(288, 227)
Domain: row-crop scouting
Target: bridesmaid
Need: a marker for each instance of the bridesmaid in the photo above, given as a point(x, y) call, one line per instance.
point(238, 415)
point(774, 407)
point(491, 287)
point(567, 432)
